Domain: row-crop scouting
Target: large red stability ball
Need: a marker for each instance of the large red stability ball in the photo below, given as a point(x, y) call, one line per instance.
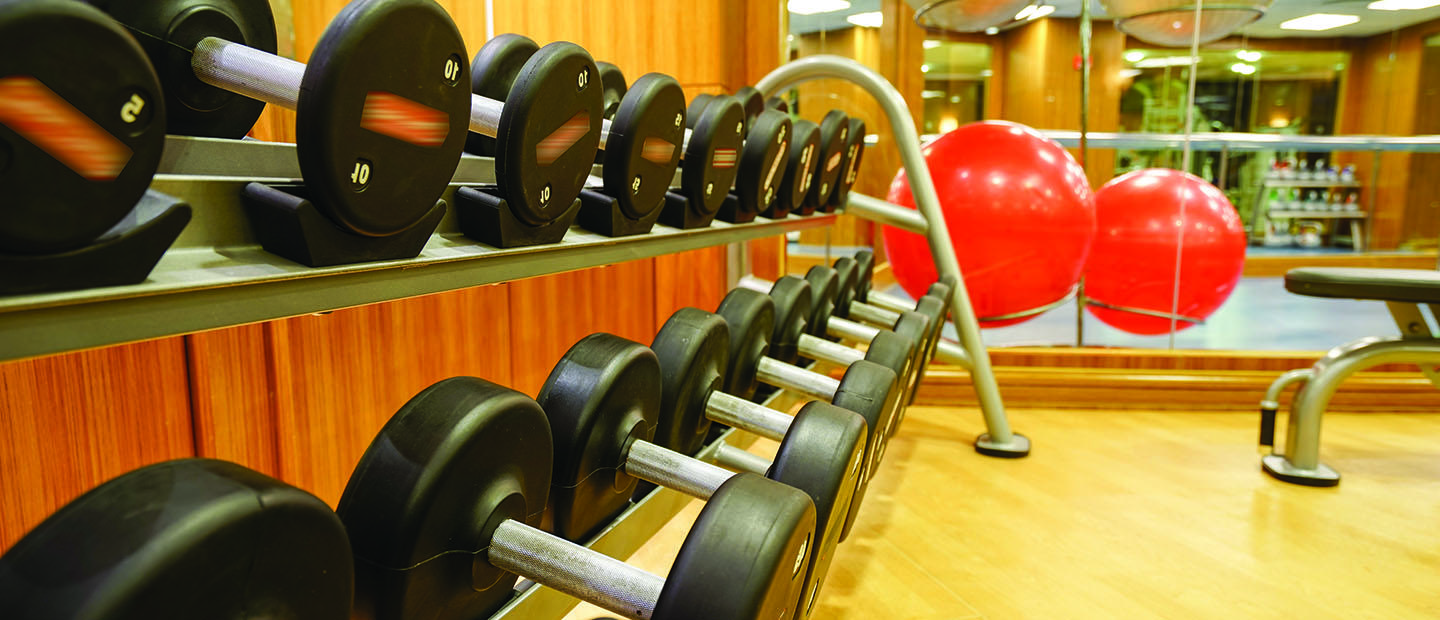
point(1020, 213)
point(1133, 261)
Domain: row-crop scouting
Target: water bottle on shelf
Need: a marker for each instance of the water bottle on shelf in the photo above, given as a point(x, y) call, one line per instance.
point(1333, 202)
point(1347, 174)
point(1287, 171)
point(1352, 202)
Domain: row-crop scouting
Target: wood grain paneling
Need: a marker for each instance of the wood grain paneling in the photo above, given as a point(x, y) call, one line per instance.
point(233, 396)
point(549, 314)
point(70, 422)
point(694, 279)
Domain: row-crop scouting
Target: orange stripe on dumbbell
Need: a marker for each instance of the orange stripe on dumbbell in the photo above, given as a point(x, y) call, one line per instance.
point(658, 151)
point(560, 140)
point(63, 132)
point(725, 158)
point(405, 120)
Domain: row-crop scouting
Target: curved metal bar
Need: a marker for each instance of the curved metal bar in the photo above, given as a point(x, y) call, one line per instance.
point(999, 438)
point(1069, 295)
point(1141, 311)
point(1302, 446)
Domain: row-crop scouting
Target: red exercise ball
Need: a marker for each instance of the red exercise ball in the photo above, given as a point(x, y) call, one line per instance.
point(1133, 261)
point(1020, 212)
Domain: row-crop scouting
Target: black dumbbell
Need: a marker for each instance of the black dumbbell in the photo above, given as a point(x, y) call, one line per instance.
point(834, 140)
point(763, 159)
point(382, 108)
point(935, 305)
point(192, 538)
point(613, 83)
point(799, 172)
point(82, 125)
point(850, 164)
point(603, 399)
point(867, 388)
point(821, 322)
point(822, 448)
point(442, 513)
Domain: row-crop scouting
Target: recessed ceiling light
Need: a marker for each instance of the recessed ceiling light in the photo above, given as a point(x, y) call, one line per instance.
point(1025, 13)
point(811, 7)
point(931, 44)
point(1319, 21)
point(1042, 11)
point(992, 30)
point(986, 73)
point(872, 19)
point(1134, 56)
point(1252, 56)
point(924, 68)
point(932, 94)
point(1402, 5)
point(1243, 69)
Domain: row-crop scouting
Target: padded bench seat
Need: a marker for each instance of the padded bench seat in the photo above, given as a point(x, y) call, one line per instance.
point(1421, 286)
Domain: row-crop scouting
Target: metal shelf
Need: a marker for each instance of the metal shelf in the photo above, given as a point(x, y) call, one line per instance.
point(1318, 215)
point(217, 276)
point(1323, 184)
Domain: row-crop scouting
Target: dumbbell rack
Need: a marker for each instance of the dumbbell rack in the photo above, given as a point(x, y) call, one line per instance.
point(216, 275)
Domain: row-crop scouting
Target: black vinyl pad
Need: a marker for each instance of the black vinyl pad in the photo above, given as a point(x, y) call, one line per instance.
point(82, 125)
point(193, 538)
point(602, 395)
point(383, 114)
point(1421, 286)
point(822, 455)
point(169, 31)
point(745, 556)
point(456, 460)
point(643, 148)
point(693, 348)
point(750, 316)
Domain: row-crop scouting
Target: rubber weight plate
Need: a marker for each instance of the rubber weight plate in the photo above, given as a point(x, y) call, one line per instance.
point(821, 455)
point(693, 350)
point(602, 395)
point(750, 316)
point(549, 133)
point(854, 153)
point(864, 274)
point(383, 114)
point(612, 82)
point(824, 286)
point(712, 155)
point(492, 75)
point(752, 101)
point(762, 162)
point(193, 538)
point(800, 167)
point(895, 352)
point(745, 556)
point(791, 296)
point(168, 30)
point(833, 130)
point(643, 148)
point(870, 390)
point(846, 274)
point(776, 103)
point(697, 106)
point(82, 125)
point(456, 460)
point(931, 307)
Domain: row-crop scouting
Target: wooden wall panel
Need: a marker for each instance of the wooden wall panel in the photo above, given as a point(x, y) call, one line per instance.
point(233, 396)
point(549, 314)
point(693, 279)
point(70, 422)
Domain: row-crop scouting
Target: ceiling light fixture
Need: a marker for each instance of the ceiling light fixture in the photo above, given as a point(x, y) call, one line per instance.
point(1025, 13)
point(1161, 62)
point(811, 7)
point(1134, 56)
point(1243, 69)
point(924, 68)
point(1172, 23)
point(1253, 56)
point(931, 44)
point(1402, 5)
point(1319, 21)
point(872, 19)
point(1042, 12)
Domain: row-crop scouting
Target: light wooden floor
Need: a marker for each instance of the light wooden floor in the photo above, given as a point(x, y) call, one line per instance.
point(1135, 515)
